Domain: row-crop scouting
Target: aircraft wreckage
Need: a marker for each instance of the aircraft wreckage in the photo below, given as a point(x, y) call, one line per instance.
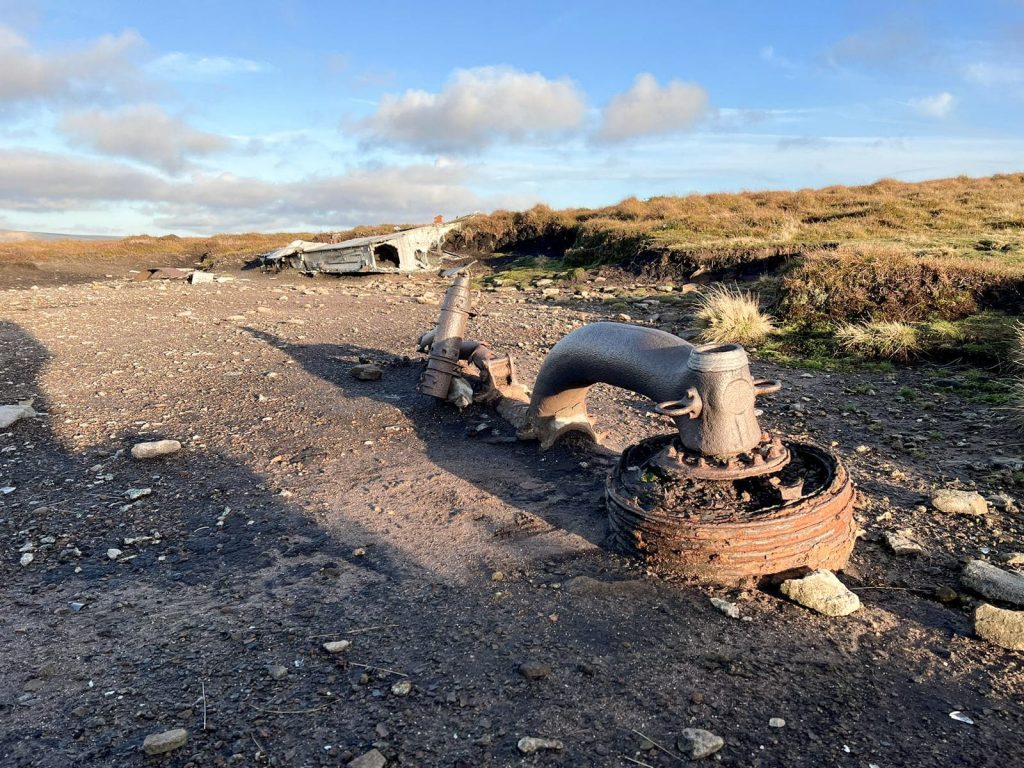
point(407, 250)
point(719, 499)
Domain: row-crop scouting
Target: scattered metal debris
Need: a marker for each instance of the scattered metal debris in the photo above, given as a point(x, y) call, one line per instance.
point(406, 250)
point(453, 358)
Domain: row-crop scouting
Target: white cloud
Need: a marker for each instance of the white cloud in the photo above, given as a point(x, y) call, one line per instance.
point(650, 109)
point(993, 75)
point(143, 132)
point(191, 66)
point(43, 182)
point(102, 67)
point(476, 108)
point(938, 106)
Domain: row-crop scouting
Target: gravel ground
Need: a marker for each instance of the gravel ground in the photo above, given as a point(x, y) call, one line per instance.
point(307, 506)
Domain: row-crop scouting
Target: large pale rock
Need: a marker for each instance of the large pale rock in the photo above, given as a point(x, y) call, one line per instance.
point(823, 592)
point(167, 741)
point(337, 646)
point(155, 449)
point(696, 743)
point(903, 543)
point(1004, 628)
point(954, 502)
point(12, 413)
point(994, 583)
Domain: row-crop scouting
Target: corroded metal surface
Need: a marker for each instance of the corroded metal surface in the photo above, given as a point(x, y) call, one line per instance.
point(814, 530)
point(446, 342)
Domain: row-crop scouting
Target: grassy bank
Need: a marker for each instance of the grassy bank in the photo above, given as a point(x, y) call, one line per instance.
point(889, 270)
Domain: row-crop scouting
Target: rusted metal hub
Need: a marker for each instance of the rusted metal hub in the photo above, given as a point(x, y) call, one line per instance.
point(675, 459)
point(736, 530)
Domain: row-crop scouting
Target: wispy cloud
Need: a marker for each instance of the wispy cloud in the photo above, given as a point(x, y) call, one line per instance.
point(938, 106)
point(192, 66)
point(994, 74)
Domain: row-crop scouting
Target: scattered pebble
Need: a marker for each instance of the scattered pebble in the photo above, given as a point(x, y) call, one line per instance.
point(277, 671)
point(534, 670)
point(530, 744)
point(777, 722)
point(113, 553)
point(823, 592)
point(134, 494)
point(729, 609)
point(155, 449)
point(696, 743)
point(945, 594)
point(27, 558)
point(402, 688)
point(167, 741)
point(367, 372)
point(337, 646)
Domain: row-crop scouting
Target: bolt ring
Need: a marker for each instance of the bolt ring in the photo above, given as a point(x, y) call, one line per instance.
point(674, 408)
point(766, 386)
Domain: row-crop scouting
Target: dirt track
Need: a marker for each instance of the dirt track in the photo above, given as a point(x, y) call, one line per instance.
point(308, 506)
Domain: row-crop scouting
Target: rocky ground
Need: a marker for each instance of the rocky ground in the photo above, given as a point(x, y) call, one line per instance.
point(197, 590)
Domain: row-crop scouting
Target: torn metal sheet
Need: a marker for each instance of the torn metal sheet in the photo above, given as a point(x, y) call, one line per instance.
point(407, 250)
point(163, 273)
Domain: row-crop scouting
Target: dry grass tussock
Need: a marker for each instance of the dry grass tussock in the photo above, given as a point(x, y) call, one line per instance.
point(881, 340)
point(727, 314)
point(1018, 404)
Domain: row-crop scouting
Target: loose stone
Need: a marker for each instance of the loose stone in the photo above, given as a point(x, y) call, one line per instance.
point(167, 741)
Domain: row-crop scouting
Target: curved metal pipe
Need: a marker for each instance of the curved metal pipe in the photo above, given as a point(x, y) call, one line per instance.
point(707, 390)
point(643, 360)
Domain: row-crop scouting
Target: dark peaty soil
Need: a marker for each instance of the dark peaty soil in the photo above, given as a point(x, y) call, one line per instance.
point(307, 506)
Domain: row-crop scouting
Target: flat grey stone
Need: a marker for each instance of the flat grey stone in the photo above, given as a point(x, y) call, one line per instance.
point(167, 741)
point(371, 759)
point(994, 583)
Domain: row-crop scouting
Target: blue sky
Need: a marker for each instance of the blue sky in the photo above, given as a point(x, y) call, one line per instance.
point(196, 118)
